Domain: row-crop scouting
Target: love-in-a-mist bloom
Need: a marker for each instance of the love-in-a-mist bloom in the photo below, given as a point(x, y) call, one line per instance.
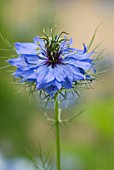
point(51, 63)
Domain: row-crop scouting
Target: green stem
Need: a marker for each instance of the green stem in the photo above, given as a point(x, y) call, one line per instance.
point(57, 126)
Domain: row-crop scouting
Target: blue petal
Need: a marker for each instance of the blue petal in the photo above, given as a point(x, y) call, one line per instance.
point(69, 51)
point(39, 42)
point(78, 56)
point(31, 59)
point(76, 71)
point(84, 65)
point(67, 84)
point(26, 48)
point(77, 78)
point(49, 76)
point(85, 48)
point(15, 61)
point(80, 52)
point(18, 73)
point(65, 43)
point(59, 73)
point(34, 60)
point(32, 76)
point(49, 79)
point(89, 60)
point(80, 64)
point(51, 90)
point(70, 42)
point(68, 72)
point(41, 72)
point(26, 62)
point(26, 74)
point(55, 83)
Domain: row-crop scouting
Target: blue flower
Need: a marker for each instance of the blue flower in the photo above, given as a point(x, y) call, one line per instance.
point(51, 63)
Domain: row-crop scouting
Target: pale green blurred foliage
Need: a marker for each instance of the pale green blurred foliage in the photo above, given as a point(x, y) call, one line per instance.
point(90, 139)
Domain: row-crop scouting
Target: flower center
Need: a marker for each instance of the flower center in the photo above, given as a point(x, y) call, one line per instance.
point(53, 49)
point(53, 55)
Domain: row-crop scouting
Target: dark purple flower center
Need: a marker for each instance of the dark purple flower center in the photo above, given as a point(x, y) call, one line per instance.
point(53, 55)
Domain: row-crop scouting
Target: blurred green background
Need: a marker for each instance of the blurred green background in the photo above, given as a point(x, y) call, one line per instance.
point(88, 143)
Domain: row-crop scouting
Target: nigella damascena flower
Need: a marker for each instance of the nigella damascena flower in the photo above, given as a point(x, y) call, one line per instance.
point(51, 63)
